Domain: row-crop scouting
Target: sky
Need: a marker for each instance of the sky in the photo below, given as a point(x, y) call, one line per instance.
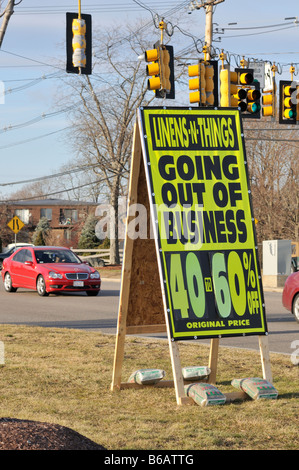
point(33, 138)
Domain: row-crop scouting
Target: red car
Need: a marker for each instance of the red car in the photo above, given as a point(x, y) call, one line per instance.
point(49, 269)
point(290, 294)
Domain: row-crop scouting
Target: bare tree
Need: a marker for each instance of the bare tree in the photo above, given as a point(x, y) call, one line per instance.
point(103, 124)
point(273, 172)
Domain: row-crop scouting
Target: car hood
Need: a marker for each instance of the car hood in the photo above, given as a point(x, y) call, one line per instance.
point(67, 267)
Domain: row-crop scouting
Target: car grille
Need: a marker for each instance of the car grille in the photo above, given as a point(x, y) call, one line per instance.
point(76, 276)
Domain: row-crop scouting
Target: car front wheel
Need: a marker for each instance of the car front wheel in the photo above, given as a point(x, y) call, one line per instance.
point(41, 286)
point(295, 307)
point(8, 283)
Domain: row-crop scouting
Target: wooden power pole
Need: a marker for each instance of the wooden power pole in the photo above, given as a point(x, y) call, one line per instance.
point(6, 17)
point(208, 6)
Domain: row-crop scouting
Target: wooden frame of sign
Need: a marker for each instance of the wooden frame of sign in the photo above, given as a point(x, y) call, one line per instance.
point(142, 305)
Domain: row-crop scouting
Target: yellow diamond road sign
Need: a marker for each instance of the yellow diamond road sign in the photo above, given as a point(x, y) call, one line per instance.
point(15, 224)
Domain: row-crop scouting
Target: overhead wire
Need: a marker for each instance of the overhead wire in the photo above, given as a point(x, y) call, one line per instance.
point(55, 175)
point(61, 191)
point(175, 9)
point(32, 82)
point(255, 34)
point(255, 27)
point(32, 139)
point(103, 8)
point(36, 119)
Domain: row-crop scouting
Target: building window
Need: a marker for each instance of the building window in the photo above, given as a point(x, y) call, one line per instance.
point(46, 213)
point(23, 214)
point(68, 216)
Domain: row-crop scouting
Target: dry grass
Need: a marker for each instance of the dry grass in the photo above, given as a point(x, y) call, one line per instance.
point(63, 376)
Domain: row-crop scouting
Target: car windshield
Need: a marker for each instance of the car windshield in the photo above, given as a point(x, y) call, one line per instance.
point(7, 249)
point(56, 256)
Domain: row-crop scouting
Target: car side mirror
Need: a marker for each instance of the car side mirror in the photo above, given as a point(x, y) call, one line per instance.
point(28, 263)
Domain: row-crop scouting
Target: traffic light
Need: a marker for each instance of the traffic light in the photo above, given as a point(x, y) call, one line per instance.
point(167, 67)
point(153, 69)
point(197, 84)
point(250, 103)
point(238, 89)
point(225, 86)
point(269, 101)
point(288, 111)
point(204, 83)
point(231, 95)
point(161, 70)
point(253, 100)
point(78, 44)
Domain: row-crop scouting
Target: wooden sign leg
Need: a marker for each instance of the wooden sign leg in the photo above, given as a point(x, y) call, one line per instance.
point(126, 270)
point(181, 397)
point(265, 358)
point(213, 360)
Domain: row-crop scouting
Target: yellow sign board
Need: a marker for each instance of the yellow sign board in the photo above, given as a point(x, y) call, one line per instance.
point(15, 224)
point(204, 227)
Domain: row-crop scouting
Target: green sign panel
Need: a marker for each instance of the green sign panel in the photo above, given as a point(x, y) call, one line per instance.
point(197, 178)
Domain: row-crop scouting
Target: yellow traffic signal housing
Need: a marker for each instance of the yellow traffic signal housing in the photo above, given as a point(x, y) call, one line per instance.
point(197, 84)
point(244, 77)
point(269, 101)
point(153, 69)
point(161, 71)
point(288, 112)
point(238, 89)
point(165, 69)
point(225, 88)
point(204, 83)
point(231, 95)
point(249, 103)
point(78, 44)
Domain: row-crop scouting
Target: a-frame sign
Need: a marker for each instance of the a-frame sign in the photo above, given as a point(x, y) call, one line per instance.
point(194, 272)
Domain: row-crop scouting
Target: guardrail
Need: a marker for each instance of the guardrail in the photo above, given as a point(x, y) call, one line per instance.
point(100, 253)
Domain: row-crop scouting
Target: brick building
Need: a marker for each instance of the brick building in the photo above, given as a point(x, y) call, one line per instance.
point(65, 217)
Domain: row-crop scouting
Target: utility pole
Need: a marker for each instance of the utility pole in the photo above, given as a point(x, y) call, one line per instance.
point(208, 6)
point(7, 14)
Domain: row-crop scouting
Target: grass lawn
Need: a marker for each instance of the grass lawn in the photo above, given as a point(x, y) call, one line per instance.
point(63, 376)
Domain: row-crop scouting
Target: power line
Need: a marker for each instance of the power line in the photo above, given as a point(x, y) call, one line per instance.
point(256, 27)
point(43, 196)
point(56, 175)
point(33, 60)
point(37, 119)
point(103, 8)
point(254, 34)
point(21, 142)
point(32, 82)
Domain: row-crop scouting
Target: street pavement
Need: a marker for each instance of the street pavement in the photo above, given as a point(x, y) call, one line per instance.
point(100, 313)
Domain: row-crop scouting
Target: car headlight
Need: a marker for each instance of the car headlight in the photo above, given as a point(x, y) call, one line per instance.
point(54, 275)
point(95, 275)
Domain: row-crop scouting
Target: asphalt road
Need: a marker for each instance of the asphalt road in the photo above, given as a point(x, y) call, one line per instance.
point(79, 311)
